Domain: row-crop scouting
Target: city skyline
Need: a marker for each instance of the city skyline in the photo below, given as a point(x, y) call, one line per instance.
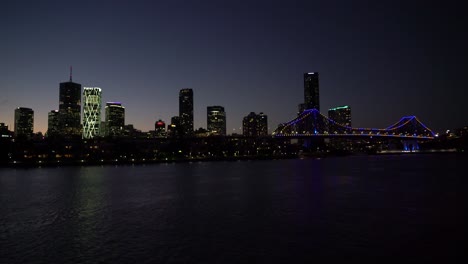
point(385, 60)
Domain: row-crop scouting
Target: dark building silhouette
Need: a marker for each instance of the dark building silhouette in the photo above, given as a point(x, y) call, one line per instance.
point(115, 119)
point(174, 128)
point(70, 109)
point(160, 129)
point(53, 123)
point(4, 132)
point(24, 122)
point(341, 115)
point(254, 125)
point(216, 120)
point(311, 91)
point(186, 111)
point(262, 124)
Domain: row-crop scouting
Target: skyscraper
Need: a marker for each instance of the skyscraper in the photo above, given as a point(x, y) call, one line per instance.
point(70, 108)
point(115, 119)
point(24, 122)
point(311, 90)
point(91, 111)
point(53, 123)
point(341, 115)
point(186, 111)
point(216, 120)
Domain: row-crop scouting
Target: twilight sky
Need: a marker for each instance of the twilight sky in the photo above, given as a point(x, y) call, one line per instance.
point(385, 59)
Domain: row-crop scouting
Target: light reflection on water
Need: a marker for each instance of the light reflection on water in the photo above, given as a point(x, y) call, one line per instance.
point(233, 212)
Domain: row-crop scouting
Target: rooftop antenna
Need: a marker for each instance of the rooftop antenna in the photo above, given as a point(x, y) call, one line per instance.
point(71, 72)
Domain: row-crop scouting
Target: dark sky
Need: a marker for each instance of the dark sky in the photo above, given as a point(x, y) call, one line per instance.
point(385, 59)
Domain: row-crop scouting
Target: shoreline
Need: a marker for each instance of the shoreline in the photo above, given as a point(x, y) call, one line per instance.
point(60, 163)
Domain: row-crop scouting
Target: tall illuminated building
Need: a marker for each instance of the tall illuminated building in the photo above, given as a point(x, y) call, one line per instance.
point(311, 91)
point(186, 111)
point(24, 122)
point(341, 115)
point(53, 123)
point(70, 108)
point(91, 111)
point(115, 119)
point(216, 120)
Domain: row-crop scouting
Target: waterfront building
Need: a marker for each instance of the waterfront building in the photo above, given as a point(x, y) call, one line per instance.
point(311, 91)
point(24, 122)
point(70, 109)
point(160, 129)
point(216, 120)
point(115, 119)
point(186, 111)
point(254, 125)
point(4, 132)
point(174, 129)
point(262, 124)
point(91, 111)
point(53, 128)
point(341, 115)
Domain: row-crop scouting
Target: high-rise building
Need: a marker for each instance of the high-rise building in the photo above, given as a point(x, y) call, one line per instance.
point(311, 90)
point(160, 129)
point(216, 120)
point(115, 119)
point(24, 122)
point(91, 111)
point(186, 111)
point(341, 115)
point(254, 125)
point(262, 124)
point(53, 123)
point(70, 109)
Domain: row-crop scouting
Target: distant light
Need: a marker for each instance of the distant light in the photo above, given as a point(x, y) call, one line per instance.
point(311, 73)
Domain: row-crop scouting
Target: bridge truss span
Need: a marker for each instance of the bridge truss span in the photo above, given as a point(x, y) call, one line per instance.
point(311, 123)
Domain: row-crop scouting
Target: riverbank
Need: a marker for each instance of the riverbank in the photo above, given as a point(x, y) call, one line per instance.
point(60, 163)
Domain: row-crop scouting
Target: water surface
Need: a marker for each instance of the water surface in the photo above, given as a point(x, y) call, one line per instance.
point(235, 212)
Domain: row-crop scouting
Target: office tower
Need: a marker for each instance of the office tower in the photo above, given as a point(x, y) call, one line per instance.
point(24, 122)
point(186, 111)
point(53, 123)
point(91, 111)
point(254, 125)
point(341, 115)
point(262, 124)
point(311, 90)
point(216, 120)
point(70, 108)
point(115, 119)
point(160, 129)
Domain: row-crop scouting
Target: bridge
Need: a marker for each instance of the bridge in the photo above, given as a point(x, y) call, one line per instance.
point(311, 123)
